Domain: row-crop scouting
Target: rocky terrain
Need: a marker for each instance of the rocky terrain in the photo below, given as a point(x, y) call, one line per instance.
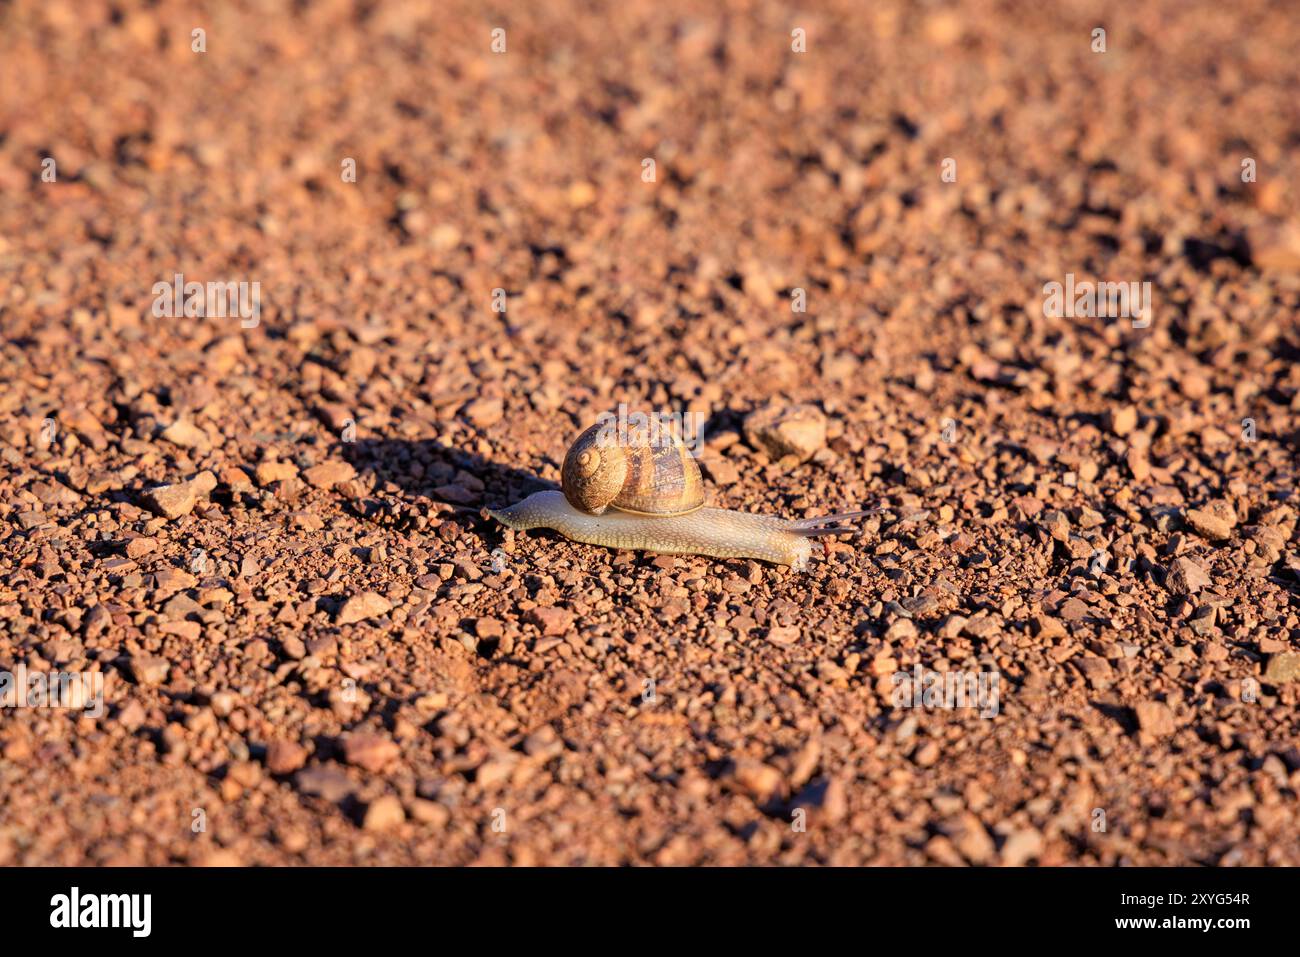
point(830, 231)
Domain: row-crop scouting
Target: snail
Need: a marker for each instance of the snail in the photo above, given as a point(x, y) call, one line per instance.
point(644, 492)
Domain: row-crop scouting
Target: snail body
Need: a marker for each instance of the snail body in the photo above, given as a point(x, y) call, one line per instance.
point(715, 532)
point(648, 496)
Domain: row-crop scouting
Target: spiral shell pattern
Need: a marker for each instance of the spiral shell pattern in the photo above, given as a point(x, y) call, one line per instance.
point(631, 472)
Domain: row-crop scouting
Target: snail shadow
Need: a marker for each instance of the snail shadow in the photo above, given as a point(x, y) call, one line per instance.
point(428, 469)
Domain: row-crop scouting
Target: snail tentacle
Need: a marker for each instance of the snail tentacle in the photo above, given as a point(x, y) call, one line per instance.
point(840, 524)
point(837, 519)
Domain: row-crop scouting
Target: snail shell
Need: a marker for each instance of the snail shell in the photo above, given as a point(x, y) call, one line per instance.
point(632, 472)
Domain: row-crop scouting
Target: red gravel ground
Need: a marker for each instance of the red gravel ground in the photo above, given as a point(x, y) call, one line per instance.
point(323, 651)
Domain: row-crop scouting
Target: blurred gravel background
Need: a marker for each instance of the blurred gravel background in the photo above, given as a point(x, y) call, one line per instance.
point(316, 649)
